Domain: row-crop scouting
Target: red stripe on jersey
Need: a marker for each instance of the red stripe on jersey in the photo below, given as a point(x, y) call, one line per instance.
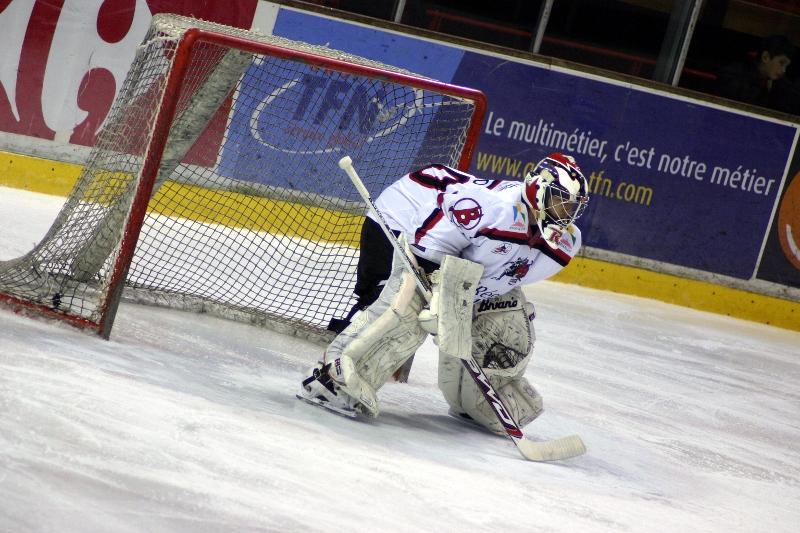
point(428, 225)
point(558, 255)
point(502, 235)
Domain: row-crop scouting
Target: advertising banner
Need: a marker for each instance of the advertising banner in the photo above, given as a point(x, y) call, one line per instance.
point(65, 60)
point(672, 180)
point(311, 120)
point(312, 115)
point(403, 51)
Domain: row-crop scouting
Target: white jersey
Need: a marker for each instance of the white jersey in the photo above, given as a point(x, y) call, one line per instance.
point(445, 211)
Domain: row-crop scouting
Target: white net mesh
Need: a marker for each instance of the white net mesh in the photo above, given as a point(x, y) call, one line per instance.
point(249, 215)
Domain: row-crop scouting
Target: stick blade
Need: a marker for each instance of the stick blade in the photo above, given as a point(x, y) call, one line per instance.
point(551, 450)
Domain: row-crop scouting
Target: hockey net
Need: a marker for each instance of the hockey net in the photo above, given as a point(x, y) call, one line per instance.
point(213, 184)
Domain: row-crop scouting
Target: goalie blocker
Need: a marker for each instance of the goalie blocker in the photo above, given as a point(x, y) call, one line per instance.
point(497, 333)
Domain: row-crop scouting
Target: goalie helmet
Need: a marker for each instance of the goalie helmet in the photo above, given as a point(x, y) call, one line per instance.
point(556, 192)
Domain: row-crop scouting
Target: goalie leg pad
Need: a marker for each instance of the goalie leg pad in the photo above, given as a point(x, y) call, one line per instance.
point(348, 382)
point(383, 336)
point(503, 334)
point(503, 337)
point(520, 398)
point(390, 335)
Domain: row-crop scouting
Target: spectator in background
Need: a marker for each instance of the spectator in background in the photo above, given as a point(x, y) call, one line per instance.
point(755, 81)
point(786, 95)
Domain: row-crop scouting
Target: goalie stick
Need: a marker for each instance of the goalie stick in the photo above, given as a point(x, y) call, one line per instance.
point(550, 450)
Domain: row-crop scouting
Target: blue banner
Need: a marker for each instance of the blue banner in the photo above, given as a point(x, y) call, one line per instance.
point(312, 118)
point(421, 57)
point(672, 180)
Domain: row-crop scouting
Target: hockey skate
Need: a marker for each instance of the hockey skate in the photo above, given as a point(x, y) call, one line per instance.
point(348, 395)
point(319, 389)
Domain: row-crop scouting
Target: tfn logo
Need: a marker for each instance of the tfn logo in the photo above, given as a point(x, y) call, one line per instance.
point(331, 111)
point(321, 97)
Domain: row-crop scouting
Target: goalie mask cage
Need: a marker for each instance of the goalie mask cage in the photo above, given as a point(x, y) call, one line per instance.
point(213, 185)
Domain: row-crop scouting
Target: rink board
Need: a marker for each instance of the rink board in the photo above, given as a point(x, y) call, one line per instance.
point(57, 178)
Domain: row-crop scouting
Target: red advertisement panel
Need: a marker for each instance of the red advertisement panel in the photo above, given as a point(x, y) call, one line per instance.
point(65, 60)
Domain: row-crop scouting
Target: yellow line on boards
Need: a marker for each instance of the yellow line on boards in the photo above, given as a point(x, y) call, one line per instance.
point(37, 175)
point(287, 218)
point(700, 295)
point(197, 203)
point(255, 213)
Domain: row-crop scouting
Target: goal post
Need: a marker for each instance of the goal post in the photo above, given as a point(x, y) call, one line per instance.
point(213, 185)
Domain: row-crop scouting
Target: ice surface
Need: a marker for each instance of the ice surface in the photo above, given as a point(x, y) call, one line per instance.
point(184, 422)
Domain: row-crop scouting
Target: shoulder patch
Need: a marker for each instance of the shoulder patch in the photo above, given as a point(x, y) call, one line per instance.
point(466, 212)
point(520, 218)
point(566, 242)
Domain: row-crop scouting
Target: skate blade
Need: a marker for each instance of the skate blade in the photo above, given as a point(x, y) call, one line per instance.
point(349, 413)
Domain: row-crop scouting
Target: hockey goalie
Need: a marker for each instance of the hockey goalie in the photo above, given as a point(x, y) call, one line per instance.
point(476, 240)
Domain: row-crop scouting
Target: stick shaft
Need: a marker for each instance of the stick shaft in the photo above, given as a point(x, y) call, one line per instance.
point(423, 285)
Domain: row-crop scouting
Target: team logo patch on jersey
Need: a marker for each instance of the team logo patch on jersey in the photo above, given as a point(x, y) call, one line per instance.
point(516, 270)
point(503, 249)
point(467, 213)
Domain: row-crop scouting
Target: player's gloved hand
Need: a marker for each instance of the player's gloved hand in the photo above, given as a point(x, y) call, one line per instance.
point(429, 316)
